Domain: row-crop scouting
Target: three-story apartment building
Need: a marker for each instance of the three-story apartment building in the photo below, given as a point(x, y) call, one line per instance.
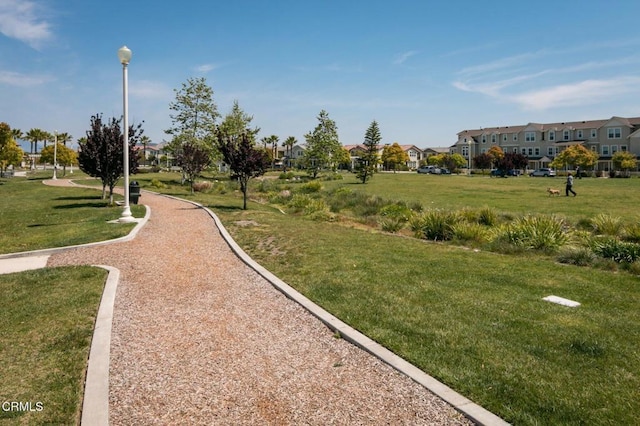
point(540, 143)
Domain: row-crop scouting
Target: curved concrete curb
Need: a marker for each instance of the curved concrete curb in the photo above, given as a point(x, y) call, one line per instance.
point(464, 405)
point(95, 405)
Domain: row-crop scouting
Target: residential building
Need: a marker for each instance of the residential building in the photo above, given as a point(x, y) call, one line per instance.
point(414, 153)
point(540, 143)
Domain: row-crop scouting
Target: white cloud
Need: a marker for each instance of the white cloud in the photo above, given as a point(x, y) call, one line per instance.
point(19, 20)
point(401, 58)
point(576, 94)
point(205, 68)
point(21, 80)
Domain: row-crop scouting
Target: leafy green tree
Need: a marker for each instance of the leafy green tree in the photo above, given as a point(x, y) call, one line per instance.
point(393, 156)
point(369, 159)
point(322, 145)
point(245, 160)
point(100, 154)
point(575, 155)
point(453, 162)
point(237, 122)
point(64, 155)
point(625, 161)
point(10, 152)
point(193, 115)
point(193, 159)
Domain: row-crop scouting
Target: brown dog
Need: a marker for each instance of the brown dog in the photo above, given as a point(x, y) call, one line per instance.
point(552, 191)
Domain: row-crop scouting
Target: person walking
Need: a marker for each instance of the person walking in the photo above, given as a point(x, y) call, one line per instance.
point(569, 187)
point(578, 175)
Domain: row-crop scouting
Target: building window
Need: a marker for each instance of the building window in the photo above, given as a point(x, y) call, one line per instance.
point(614, 133)
point(552, 136)
point(515, 150)
point(515, 136)
point(605, 149)
point(523, 151)
point(550, 150)
point(537, 152)
point(623, 148)
point(594, 133)
point(493, 138)
point(529, 136)
point(530, 152)
point(580, 134)
point(484, 138)
point(614, 149)
point(504, 137)
point(566, 135)
point(594, 148)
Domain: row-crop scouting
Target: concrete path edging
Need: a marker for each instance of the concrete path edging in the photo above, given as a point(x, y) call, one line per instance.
point(95, 404)
point(471, 410)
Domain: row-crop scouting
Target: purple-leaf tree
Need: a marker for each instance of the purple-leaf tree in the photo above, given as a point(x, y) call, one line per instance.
point(244, 158)
point(101, 154)
point(193, 159)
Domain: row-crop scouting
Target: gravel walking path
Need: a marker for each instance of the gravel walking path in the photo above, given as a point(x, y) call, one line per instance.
point(200, 338)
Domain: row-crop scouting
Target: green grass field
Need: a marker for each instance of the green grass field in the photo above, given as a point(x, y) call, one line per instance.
point(47, 315)
point(472, 318)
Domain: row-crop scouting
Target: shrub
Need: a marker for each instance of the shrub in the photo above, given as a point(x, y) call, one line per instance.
point(604, 224)
point(364, 205)
point(300, 202)
point(391, 224)
point(473, 232)
point(157, 183)
point(311, 187)
point(286, 175)
point(487, 216)
point(616, 250)
point(201, 186)
point(579, 256)
point(631, 233)
point(434, 224)
point(536, 232)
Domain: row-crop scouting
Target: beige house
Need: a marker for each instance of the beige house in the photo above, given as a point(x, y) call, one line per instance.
point(540, 143)
point(414, 153)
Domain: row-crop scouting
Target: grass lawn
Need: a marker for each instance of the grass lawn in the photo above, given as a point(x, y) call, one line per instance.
point(35, 216)
point(46, 323)
point(473, 319)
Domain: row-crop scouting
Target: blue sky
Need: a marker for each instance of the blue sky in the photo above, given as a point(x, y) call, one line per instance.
point(424, 70)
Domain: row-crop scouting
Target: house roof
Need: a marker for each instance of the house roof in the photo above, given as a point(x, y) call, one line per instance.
point(559, 126)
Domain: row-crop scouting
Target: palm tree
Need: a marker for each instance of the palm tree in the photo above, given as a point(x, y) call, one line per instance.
point(145, 140)
point(63, 138)
point(17, 134)
point(273, 140)
point(34, 136)
point(288, 144)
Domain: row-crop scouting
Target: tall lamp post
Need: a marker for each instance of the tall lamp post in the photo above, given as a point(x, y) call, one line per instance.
point(124, 54)
point(55, 155)
point(469, 141)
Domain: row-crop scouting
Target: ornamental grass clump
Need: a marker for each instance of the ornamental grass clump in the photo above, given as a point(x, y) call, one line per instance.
point(579, 256)
point(546, 233)
point(604, 224)
point(394, 216)
point(434, 225)
point(470, 232)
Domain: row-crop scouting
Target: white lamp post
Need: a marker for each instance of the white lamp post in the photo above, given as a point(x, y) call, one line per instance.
point(124, 54)
point(469, 141)
point(55, 155)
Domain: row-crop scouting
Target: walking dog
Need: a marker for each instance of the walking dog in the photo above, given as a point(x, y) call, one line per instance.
point(552, 191)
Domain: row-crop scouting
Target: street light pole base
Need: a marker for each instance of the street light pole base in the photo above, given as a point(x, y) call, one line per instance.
point(127, 217)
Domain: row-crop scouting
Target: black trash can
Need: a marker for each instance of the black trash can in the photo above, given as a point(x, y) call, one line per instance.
point(134, 192)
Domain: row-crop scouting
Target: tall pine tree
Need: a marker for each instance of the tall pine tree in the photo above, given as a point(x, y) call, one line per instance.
point(369, 160)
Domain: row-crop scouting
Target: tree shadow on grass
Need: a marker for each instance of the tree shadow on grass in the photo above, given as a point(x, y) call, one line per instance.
point(223, 208)
point(84, 197)
point(101, 204)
